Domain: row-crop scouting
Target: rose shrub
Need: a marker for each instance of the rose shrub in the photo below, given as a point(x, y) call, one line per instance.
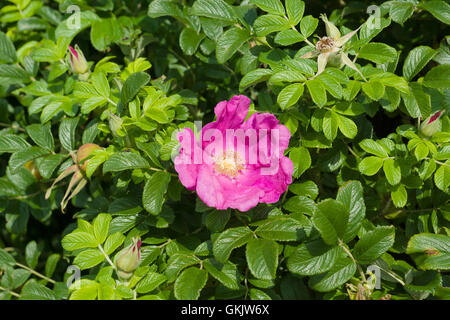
point(334, 184)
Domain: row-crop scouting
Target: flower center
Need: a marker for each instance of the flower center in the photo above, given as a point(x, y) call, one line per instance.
point(229, 164)
point(325, 44)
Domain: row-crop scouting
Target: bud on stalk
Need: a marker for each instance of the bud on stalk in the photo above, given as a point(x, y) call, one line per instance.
point(128, 259)
point(77, 60)
point(432, 124)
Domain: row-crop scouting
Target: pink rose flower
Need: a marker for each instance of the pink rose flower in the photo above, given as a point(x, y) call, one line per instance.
point(237, 163)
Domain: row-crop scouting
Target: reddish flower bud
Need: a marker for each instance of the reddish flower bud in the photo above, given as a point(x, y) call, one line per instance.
point(77, 60)
point(432, 124)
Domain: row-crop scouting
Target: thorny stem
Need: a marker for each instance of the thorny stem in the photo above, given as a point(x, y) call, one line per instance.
point(342, 245)
point(35, 273)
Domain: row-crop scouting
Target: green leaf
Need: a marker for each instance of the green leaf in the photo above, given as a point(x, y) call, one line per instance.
point(178, 262)
point(217, 220)
point(392, 171)
point(229, 42)
point(379, 53)
point(189, 284)
point(104, 32)
point(124, 161)
point(67, 133)
point(331, 220)
point(51, 263)
point(438, 77)
point(78, 240)
point(160, 8)
point(295, 10)
point(308, 188)
point(442, 177)
point(151, 281)
point(308, 25)
point(434, 250)
point(256, 294)
point(101, 227)
point(339, 274)
point(227, 274)
point(215, 9)
point(12, 143)
point(401, 11)
point(373, 89)
point(12, 74)
point(416, 60)
point(269, 23)
point(70, 27)
point(19, 277)
point(351, 196)
point(399, 196)
point(41, 135)
point(36, 291)
point(281, 229)
point(288, 37)
point(317, 91)
point(230, 239)
point(20, 158)
point(330, 125)
point(101, 84)
point(262, 258)
point(290, 95)
point(439, 9)
point(154, 192)
point(301, 160)
point(313, 258)
point(373, 244)
point(370, 165)
point(32, 253)
point(113, 242)
point(189, 41)
point(6, 259)
point(374, 147)
point(254, 77)
point(89, 258)
point(7, 50)
point(270, 6)
point(347, 126)
point(132, 85)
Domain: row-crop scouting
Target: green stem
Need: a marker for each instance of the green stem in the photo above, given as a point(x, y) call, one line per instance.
point(10, 292)
point(106, 256)
point(112, 102)
point(342, 245)
point(35, 273)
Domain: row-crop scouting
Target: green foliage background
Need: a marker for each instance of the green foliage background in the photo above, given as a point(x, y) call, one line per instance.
point(369, 187)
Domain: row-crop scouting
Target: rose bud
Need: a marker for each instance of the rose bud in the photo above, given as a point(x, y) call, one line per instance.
point(77, 60)
point(432, 124)
point(128, 259)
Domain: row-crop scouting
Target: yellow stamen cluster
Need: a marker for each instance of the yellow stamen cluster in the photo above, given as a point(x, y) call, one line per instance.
point(229, 164)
